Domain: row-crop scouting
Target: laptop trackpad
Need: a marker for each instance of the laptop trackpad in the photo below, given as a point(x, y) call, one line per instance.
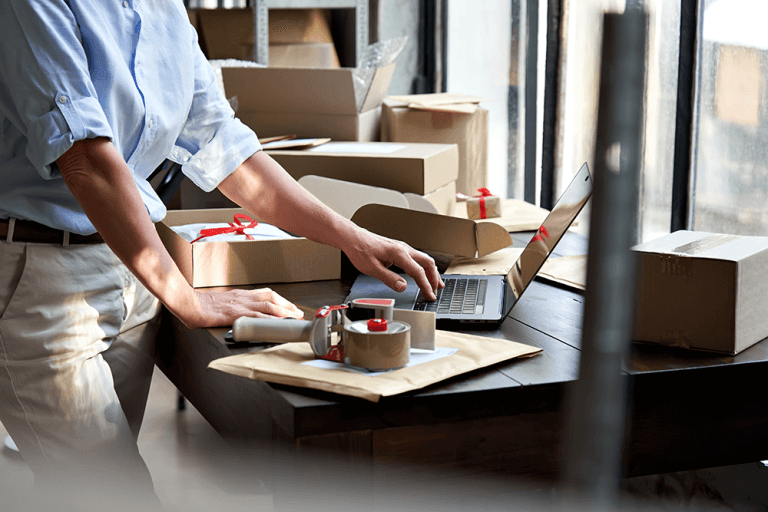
point(367, 287)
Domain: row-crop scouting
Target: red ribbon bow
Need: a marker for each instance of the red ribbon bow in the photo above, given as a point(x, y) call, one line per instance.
point(234, 227)
point(484, 192)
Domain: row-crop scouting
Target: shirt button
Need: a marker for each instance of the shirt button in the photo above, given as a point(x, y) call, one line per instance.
point(63, 99)
point(149, 123)
point(125, 3)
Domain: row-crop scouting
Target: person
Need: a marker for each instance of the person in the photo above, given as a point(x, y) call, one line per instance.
point(93, 97)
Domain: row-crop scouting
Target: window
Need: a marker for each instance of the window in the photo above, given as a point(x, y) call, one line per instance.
point(579, 84)
point(729, 179)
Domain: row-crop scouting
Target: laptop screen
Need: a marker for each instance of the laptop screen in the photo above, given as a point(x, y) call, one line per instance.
point(549, 234)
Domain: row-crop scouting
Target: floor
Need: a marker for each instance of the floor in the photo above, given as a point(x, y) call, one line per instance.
point(194, 470)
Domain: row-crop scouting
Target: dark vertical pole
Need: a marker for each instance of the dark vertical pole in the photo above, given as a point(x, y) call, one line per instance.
point(684, 122)
point(596, 406)
point(424, 82)
point(551, 77)
point(531, 61)
point(513, 99)
point(444, 45)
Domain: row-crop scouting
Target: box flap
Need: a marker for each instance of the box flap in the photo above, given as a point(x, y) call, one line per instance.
point(295, 90)
point(346, 197)
point(378, 88)
point(440, 98)
point(432, 232)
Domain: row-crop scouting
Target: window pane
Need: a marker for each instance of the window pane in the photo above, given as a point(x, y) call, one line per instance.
point(580, 70)
point(730, 161)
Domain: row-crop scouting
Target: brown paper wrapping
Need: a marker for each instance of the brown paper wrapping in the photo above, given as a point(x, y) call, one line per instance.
point(569, 270)
point(282, 365)
point(493, 207)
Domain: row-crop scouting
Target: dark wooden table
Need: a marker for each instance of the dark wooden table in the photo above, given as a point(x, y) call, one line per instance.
point(687, 410)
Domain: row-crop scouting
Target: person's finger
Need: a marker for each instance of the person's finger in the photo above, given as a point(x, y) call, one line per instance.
point(268, 295)
point(272, 309)
point(429, 266)
point(417, 272)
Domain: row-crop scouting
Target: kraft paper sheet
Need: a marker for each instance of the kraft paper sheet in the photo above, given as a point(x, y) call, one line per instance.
point(282, 364)
point(497, 263)
point(568, 270)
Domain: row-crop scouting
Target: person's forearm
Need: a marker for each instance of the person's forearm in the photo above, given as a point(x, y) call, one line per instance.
point(100, 180)
point(263, 187)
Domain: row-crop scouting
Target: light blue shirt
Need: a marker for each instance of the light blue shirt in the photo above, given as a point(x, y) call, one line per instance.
point(129, 70)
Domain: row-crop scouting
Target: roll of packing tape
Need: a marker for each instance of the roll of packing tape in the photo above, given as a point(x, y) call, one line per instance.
point(377, 344)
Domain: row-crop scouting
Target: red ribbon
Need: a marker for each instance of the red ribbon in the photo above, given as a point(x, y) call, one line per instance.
point(484, 192)
point(234, 227)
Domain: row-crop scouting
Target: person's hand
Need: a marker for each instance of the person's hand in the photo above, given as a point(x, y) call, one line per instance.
point(223, 308)
point(372, 254)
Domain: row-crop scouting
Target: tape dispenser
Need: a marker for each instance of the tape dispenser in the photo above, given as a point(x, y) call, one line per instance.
point(329, 325)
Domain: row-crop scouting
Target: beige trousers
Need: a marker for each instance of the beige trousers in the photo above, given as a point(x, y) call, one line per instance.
point(77, 344)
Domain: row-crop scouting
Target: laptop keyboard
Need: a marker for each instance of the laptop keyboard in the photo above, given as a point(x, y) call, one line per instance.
point(461, 296)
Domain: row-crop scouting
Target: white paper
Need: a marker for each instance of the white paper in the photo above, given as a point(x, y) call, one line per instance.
point(418, 356)
point(262, 231)
point(374, 149)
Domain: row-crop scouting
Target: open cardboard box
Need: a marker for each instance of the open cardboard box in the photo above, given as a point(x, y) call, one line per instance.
point(206, 264)
point(702, 291)
point(405, 167)
point(307, 102)
point(409, 218)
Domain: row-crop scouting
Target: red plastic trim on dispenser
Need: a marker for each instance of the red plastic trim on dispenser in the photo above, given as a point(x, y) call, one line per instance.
point(377, 325)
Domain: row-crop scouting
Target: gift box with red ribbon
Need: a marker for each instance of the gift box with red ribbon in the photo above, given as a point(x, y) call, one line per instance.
point(485, 205)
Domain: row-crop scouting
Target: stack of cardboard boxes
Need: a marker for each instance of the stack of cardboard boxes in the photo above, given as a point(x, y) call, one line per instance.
point(297, 37)
point(427, 154)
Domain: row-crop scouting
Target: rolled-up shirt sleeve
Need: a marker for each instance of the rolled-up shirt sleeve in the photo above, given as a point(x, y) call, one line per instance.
point(213, 142)
point(45, 87)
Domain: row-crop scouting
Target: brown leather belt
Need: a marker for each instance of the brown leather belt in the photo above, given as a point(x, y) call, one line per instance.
point(28, 231)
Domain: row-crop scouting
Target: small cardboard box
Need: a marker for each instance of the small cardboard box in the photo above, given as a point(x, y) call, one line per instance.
point(461, 123)
point(702, 291)
point(484, 207)
point(308, 102)
point(417, 168)
point(206, 264)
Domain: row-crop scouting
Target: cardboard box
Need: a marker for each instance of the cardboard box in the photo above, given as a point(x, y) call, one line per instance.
point(433, 232)
point(487, 207)
point(408, 217)
point(739, 77)
point(417, 168)
point(443, 199)
point(308, 102)
point(300, 55)
point(299, 26)
point(228, 33)
point(206, 264)
point(410, 122)
point(702, 291)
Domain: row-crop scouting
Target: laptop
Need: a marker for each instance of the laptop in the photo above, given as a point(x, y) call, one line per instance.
point(474, 299)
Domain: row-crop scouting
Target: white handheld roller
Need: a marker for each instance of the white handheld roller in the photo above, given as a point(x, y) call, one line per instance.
point(283, 330)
